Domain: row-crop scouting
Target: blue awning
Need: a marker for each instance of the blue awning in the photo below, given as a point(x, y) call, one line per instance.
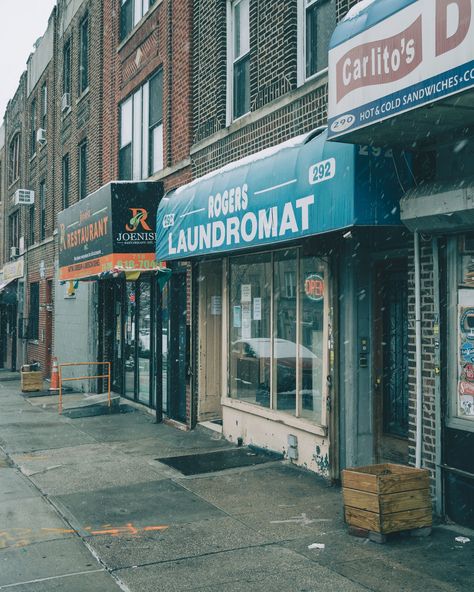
point(363, 16)
point(306, 186)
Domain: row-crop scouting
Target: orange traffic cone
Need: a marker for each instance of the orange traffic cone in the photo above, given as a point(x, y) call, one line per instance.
point(54, 376)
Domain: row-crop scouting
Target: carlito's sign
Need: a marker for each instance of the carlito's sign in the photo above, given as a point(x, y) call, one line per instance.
point(391, 56)
point(113, 228)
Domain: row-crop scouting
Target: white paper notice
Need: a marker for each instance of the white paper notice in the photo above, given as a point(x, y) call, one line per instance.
point(257, 309)
point(246, 321)
point(237, 316)
point(246, 293)
point(216, 305)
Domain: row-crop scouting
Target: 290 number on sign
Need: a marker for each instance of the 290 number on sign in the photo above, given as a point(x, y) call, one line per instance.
point(322, 171)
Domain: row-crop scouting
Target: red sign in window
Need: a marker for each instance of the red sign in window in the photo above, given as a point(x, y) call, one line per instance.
point(314, 287)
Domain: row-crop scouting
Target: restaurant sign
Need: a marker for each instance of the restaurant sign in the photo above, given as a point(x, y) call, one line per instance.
point(14, 270)
point(113, 228)
point(389, 57)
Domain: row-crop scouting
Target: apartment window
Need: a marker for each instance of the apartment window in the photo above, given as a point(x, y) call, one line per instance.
point(33, 128)
point(141, 131)
point(67, 67)
point(83, 169)
point(14, 159)
point(14, 229)
point(155, 123)
point(126, 136)
point(84, 55)
point(66, 180)
point(44, 105)
point(317, 21)
point(32, 225)
point(42, 204)
point(33, 320)
point(239, 58)
point(131, 11)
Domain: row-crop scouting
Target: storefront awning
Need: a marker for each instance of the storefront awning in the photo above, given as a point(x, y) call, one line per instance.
point(439, 207)
point(303, 187)
point(111, 229)
point(402, 71)
point(4, 283)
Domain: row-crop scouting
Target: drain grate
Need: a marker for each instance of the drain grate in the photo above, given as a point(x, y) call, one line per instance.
point(211, 462)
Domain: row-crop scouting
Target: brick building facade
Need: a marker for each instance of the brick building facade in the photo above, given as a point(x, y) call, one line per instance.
point(15, 222)
point(104, 57)
point(38, 235)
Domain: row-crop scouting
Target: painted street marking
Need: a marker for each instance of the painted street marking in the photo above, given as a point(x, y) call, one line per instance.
point(69, 575)
point(303, 520)
point(21, 537)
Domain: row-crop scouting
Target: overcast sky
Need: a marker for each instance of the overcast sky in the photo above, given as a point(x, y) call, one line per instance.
point(22, 22)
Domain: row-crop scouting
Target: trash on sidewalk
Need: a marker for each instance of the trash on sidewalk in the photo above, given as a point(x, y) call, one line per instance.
point(462, 539)
point(317, 546)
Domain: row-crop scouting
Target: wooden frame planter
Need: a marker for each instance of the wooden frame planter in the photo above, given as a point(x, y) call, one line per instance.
point(31, 381)
point(387, 498)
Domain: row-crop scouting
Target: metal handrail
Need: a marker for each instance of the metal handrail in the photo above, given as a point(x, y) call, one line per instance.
point(93, 377)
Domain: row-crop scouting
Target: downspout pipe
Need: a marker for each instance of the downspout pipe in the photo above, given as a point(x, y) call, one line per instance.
point(418, 355)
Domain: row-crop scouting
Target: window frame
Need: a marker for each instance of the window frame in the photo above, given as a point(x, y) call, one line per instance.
point(33, 127)
point(138, 9)
point(65, 180)
point(42, 208)
point(14, 152)
point(141, 132)
point(31, 223)
point(44, 105)
point(303, 7)
point(154, 126)
point(232, 61)
point(67, 80)
point(82, 168)
point(14, 230)
point(84, 54)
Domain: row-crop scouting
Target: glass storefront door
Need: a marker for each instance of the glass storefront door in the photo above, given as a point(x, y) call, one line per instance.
point(129, 339)
point(175, 346)
point(144, 341)
point(132, 338)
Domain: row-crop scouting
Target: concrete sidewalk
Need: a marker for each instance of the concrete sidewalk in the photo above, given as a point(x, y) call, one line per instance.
point(85, 506)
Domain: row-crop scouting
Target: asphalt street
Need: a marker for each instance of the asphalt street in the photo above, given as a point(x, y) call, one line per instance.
point(85, 506)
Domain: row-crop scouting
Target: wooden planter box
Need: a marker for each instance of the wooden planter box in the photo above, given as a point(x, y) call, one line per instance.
point(31, 381)
point(387, 498)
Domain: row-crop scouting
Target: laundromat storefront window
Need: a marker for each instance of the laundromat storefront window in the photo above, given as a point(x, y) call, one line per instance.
point(278, 331)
